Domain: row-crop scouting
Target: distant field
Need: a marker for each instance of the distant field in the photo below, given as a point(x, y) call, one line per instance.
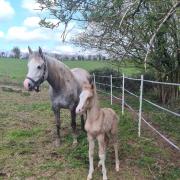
point(14, 70)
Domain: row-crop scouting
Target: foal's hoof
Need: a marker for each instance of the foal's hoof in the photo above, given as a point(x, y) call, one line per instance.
point(75, 142)
point(117, 168)
point(99, 164)
point(89, 177)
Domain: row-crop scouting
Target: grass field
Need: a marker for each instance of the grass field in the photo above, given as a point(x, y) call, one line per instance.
point(15, 70)
point(26, 150)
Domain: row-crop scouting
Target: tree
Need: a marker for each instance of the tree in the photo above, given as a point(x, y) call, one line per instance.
point(16, 51)
point(145, 31)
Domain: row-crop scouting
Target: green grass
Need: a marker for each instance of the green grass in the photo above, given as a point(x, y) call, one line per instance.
point(26, 149)
point(15, 70)
point(12, 70)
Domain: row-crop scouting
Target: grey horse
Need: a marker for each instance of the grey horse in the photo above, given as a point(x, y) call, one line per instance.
point(65, 86)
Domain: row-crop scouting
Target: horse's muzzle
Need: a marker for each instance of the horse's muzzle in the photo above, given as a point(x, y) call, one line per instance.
point(30, 86)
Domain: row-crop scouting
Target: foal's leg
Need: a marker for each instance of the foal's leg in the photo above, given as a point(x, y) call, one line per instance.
point(102, 156)
point(73, 125)
point(115, 144)
point(56, 111)
point(114, 132)
point(91, 153)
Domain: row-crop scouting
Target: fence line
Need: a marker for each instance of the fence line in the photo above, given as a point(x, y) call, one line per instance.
point(111, 88)
point(140, 106)
point(140, 101)
point(123, 96)
point(166, 139)
point(102, 76)
point(165, 83)
point(103, 84)
point(117, 87)
point(131, 93)
point(134, 79)
point(162, 108)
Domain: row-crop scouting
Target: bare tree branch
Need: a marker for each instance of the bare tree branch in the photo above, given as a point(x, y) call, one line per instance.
point(167, 16)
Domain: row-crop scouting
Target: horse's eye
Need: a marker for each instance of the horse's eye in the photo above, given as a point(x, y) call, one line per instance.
point(38, 67)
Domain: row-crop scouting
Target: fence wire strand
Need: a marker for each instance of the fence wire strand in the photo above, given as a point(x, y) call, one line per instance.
point(157, 106)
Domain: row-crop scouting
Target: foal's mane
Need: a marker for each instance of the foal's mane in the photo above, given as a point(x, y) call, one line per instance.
point(91, 87)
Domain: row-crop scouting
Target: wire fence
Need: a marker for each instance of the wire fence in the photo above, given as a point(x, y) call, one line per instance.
point(141, 99)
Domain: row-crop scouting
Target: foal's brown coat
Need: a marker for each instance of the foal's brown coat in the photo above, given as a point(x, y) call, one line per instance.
point(100, 123)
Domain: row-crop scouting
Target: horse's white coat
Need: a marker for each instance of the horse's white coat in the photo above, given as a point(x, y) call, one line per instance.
point(65, 85)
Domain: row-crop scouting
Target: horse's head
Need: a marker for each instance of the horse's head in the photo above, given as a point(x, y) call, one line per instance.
point(37, 70)
point(86, 98)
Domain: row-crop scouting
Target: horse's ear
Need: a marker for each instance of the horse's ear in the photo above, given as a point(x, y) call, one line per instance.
point(40, 52)
point(30, 50)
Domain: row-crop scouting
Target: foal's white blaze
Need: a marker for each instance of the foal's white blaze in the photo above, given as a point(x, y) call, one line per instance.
point(85, 94)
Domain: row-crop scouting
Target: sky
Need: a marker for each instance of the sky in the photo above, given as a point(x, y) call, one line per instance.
point(19, 27)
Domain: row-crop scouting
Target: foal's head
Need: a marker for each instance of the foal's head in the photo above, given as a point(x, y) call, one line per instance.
point(37, 70)
point(86, 98)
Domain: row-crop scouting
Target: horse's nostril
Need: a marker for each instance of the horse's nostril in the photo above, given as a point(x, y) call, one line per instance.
point(29, 85)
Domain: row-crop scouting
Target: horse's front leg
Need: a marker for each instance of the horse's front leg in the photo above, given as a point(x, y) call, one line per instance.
point(73, 125)
point(56, 111)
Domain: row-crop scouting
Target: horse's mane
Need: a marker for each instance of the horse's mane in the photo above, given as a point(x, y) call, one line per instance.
point(61, 73)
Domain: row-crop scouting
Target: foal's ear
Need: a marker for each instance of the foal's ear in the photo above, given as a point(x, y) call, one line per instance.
point(40, 52)
point(30, 50)
point(90, 80)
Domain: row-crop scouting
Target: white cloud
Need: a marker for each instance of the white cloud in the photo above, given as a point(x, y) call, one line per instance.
point(66, 49)
point(6, 10)
point(21, 33)
point(30, 5)
point(30, 31)
point(1, 34)
point(32, 21)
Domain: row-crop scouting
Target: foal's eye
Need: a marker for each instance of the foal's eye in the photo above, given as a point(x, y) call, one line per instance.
point(38, 67)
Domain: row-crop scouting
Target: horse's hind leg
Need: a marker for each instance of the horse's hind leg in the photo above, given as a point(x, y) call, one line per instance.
point(56, 111)
point(73, 125)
